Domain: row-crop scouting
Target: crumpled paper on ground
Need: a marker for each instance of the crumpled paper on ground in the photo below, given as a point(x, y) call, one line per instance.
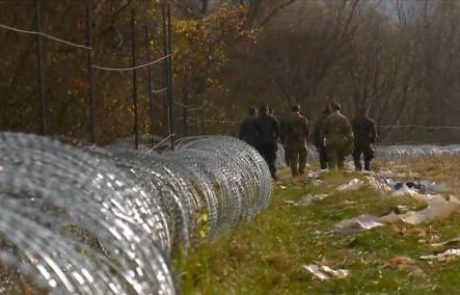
point(362, 222)
point(378, 185)
point(440, 256)
point(308, 200)
point(324, 273)
point(353, 185)
point(438, 209)
point(455, 241)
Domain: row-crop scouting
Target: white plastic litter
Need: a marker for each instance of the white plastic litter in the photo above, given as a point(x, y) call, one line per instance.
point(353, 185)
point(447, 253)
point(307, 200)
point(362, 222)
point(405, 191)
point(448, 242)
point(378, 185)
point(438, 209)
point(325, 273)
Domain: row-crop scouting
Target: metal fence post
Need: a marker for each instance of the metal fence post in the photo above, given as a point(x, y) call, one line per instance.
point(89, 43)
point(170, 79)
point(133, 52)
point(149, 81)
point(43, 105)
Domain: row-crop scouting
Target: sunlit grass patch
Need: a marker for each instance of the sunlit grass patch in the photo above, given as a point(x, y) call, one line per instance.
point(266, 256)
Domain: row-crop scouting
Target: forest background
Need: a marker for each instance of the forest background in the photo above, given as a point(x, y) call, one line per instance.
point(400, 57)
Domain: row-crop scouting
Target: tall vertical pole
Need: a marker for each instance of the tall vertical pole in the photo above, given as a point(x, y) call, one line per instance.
point(165, 72)
point(185, 104)
point(133, 51)
point(170, 79)
point(43, 105)
point(202, 114)
point(149, 80)
point(89, 43)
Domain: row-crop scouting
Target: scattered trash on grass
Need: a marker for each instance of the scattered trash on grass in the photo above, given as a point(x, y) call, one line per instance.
point(384, 184)
point(438, 209)
point(317, 182)
point(315, 174)
point(353, 185)
point(379, 184)
point(324, 273)
point(390, 218)
point(307, 200)
point(454, 241)
point(443, 255)
point(362, 222)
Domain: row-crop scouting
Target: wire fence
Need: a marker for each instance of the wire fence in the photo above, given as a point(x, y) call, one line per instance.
point(165, 60)
point(87, 220)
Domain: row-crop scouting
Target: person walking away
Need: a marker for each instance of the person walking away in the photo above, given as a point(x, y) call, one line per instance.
point(318, 140)
point(365, 134)
point(283, 122)
point(267, 129)
point(248, 128)
point(338, 137)
point(296, 136)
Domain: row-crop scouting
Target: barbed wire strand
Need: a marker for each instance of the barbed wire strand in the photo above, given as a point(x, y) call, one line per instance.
point(123, 69)
point(162, 141)
point(419, 127)
point(98, 67)
point(190, 108)
point(157, 91)
point(46, 36)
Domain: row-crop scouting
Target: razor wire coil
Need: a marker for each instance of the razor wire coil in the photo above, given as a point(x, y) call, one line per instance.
point(89, 220)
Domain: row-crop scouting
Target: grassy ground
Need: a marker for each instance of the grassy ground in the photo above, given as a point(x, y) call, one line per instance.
point(267, 255)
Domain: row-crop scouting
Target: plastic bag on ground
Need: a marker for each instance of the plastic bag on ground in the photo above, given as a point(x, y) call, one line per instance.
point(362, 222)
point(307, 200)
point(324, 273)
point(353, 185)
point(438, 209)
point(379, 185)
point(439, 256)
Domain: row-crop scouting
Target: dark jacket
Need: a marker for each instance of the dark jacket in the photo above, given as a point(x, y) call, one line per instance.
point(364, 130)
point(267, 129)
point(248, 131)
point(318, 139)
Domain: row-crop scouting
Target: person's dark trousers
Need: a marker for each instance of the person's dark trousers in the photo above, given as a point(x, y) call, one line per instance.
point(368, 153)
point(268, 152)
point(323, 157)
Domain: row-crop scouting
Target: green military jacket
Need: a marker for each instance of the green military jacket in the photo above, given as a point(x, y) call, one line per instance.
point(296, 130)
point(337, 131)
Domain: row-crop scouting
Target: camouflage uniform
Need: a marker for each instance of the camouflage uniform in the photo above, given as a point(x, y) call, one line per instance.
point(339, 139)
point(296, 134)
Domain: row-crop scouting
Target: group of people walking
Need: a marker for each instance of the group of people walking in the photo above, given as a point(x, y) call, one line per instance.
point(332, 135)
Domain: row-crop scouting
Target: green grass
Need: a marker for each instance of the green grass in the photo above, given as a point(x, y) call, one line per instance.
point(266, 255)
